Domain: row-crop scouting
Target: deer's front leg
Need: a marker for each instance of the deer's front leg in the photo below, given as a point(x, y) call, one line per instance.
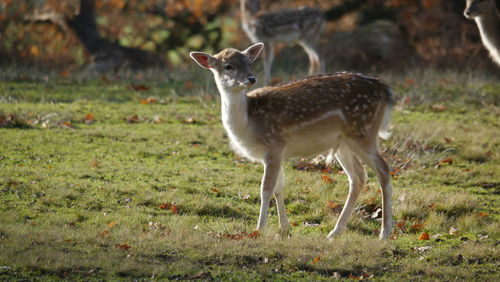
point(272, 168)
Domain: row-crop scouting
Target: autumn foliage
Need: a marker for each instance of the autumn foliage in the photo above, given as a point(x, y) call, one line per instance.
point(35, 31)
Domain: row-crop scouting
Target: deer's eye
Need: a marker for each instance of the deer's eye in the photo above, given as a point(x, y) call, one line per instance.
point(228, 67)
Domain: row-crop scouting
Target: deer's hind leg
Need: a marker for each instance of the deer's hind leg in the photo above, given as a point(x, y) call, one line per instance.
point(357, 179)
point(369, 154)
point(280, 204)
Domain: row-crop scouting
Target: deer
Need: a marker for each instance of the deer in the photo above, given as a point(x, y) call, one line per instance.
point(487, 17)
point(341, 113)
point(302, 25)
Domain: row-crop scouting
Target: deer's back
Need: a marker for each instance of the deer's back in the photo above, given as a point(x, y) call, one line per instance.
point(288, 22)
point(353, 98)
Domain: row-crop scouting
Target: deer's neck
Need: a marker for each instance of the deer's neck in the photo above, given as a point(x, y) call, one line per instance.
point(489, 27)
point(248, 17)
point(234, 111)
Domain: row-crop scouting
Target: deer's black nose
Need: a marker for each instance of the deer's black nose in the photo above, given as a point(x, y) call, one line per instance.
point(251, 79)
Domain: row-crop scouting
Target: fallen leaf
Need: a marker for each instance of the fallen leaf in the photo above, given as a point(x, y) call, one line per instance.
point(215, 190)
point(446, 161)
point(439, 107)
point(316, 260)
point(124, 247)
point(89, 119)
point(483, 215)
point(138, 87)
point(448, 140)
point(68, 125)
point(132, 118)
point(401, 225)
point(294, 224)
point(174, 209)
point(353, 277)
point(111, 224)
point(165, 206)
point(417, 227)
point(327, 179)
point(104, 233)
point(331, 204)
point(254, 234)
point(424, 236)
point(149, 101)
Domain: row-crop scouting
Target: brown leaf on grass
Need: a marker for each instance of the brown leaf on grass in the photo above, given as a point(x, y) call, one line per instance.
point(483, 214)
point(124, 247)
point(417, 227)
point(353, 277)
point(394, 171)
point(132, 119)
point(215, 190)
point(241, 235)
point(104, 233)
point(111, 224)
point(138, 87)
point(331, 204)
point(447, 140)
point(149, 100)
point(424, 236)
point(444, 161)
point(68, 125)
point(254, 234)
point(327, 179)
point(401, 225)
point(294, 223)
point(439, 107)
point(88, 119)
point(174, 209)
point(316, 260)
point(165, 206)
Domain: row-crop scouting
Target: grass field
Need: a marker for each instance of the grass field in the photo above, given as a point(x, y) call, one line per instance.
point(133, 178)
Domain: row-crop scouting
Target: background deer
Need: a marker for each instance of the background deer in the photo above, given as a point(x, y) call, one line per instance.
point(487, 18)
point(301, 25)
point(343, 113)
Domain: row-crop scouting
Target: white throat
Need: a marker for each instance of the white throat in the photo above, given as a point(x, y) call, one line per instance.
point(234, 111)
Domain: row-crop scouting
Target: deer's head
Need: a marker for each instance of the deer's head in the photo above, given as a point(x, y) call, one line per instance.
point(231, 68)
point(476, 8)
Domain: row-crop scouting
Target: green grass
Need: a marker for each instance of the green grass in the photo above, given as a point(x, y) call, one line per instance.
point(82, 201)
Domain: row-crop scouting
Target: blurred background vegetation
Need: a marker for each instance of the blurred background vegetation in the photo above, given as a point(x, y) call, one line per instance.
point(113, 34)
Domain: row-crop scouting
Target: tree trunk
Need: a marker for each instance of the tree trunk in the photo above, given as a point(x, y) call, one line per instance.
point(107, 55)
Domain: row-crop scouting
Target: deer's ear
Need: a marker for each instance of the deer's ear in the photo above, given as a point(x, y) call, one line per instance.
point(253, 51)
point(203, 59)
